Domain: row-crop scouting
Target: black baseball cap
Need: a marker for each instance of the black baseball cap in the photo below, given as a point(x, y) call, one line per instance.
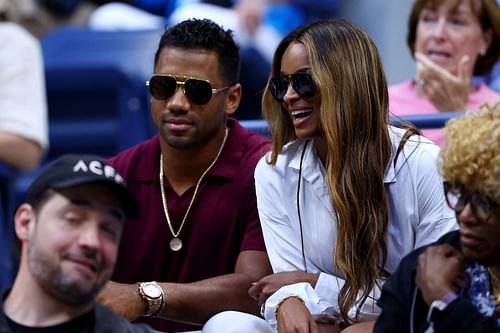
point(74, 169)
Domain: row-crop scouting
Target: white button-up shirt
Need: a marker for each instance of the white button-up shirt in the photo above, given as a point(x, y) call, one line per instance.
point(418, 215)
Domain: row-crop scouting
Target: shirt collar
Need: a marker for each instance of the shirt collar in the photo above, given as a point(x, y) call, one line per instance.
point(226, 165)
point(310, 162)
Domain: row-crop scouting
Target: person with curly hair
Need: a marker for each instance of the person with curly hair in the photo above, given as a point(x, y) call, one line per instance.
point(453, 285)
point(343, 195)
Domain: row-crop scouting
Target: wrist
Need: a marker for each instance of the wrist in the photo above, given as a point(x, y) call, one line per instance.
point(438, 306)
point(153, 298)
point(433, 291)
point(283, 300)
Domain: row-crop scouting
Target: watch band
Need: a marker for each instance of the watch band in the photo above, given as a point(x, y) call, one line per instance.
point(449, 297)
point(154, 297)
point(439, 305)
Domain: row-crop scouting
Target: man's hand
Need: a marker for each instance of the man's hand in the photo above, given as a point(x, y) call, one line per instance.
point(124, 299)
point(439, 271)
point(268, 285)
point(446, 91)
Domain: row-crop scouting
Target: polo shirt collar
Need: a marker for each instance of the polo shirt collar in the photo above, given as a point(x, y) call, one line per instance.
point(226, 166)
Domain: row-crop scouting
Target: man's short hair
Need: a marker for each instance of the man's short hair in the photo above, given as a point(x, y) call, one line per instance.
point(195, 34)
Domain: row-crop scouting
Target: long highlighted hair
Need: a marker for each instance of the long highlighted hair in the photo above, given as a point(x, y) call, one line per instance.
point(350, 79)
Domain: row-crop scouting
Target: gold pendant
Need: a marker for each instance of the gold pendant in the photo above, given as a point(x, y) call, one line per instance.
point(175, 244)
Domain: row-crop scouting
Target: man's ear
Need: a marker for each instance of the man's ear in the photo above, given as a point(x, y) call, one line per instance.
point(24, 222)
point(233, 98)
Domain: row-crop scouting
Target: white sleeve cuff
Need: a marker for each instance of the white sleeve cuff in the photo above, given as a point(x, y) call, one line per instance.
point(320, 309)
point(328, 287)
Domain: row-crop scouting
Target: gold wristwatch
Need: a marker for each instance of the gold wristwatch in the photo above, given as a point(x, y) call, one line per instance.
point(152, 293)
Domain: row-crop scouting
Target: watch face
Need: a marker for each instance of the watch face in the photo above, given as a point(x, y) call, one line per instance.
point(151, 290)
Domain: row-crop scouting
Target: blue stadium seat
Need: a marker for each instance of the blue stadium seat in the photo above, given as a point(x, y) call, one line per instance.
point(98, 102)
point(97, 98)
point(426, 121)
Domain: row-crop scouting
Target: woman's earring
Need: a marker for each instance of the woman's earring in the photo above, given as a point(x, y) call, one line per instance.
point(482, 52)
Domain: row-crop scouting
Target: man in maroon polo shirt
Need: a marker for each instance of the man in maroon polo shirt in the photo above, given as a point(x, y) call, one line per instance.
point(198, 235)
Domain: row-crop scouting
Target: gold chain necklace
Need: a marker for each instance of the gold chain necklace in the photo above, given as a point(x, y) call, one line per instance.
point(175, 242)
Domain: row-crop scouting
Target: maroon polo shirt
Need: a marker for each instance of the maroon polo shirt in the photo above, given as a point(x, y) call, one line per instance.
point(223, 220)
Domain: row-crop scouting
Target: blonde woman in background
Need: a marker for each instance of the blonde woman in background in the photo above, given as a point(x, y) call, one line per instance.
point(454, 285)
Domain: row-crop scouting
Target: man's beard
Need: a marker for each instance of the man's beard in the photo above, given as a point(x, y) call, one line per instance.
point(49, 274)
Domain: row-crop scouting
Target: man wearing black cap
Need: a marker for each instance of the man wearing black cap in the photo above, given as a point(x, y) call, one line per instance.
point(69, 228)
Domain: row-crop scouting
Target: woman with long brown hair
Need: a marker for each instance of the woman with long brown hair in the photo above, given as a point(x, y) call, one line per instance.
point(343, 196)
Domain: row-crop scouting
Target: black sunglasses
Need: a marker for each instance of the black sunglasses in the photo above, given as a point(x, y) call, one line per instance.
point(302, 83)
point(198, 91)
point(457, 198)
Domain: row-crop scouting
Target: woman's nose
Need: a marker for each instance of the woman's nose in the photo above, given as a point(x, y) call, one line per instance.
point(290, 94)
point(439, 28)
point(467, 215)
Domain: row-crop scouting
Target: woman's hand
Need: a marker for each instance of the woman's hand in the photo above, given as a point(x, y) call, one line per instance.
point(268, 285)
point(446, 91)
point(293, 317)
point(439, 271)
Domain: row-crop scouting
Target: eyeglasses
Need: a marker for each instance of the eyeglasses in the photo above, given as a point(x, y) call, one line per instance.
point(457, 198)
point(198, 91)
point(302, 83)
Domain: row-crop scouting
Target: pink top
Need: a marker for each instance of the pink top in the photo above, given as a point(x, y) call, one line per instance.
point(403, 100)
